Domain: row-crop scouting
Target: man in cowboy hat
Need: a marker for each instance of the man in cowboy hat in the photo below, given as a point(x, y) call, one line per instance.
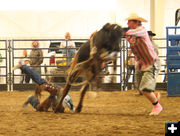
point(147, 66)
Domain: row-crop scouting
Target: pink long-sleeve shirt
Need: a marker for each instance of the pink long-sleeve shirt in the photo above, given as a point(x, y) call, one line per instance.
point(141, 47)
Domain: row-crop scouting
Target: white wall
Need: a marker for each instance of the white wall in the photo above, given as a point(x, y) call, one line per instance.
point(170, 9)
point(81, 23)
point(79, 17)
point(52, 24)
point(125, 7)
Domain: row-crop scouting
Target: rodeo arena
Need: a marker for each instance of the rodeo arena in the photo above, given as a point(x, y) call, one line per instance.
point(90, 68)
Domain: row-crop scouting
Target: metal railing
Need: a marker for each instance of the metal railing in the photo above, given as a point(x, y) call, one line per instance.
point(13, 49)
point(4, 76)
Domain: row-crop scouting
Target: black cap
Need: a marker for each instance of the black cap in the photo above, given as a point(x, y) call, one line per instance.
point(125, 29)
point(150, 33)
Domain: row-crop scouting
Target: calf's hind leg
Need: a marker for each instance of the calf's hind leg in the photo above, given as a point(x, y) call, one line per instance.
point(83, 92)
point(71, 79)
point(90, 74)
point(44, 106)
point(59, 107)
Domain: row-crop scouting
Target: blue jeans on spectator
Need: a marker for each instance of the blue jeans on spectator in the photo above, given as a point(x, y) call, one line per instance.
point(69, 53)
point(33, 75)
point(130, 69)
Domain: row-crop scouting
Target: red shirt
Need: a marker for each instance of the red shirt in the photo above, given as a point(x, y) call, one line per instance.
point(141, 47)
point(52, 60)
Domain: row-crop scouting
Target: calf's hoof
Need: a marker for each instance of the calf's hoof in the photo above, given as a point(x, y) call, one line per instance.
point(59, 110)
point(78, 109)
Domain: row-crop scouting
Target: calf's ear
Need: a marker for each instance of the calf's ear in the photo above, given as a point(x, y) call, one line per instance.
point(106, 26)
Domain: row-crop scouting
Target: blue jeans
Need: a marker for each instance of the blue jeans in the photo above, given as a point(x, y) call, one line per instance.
point(70, 53)
point(33, 75)
point(35, 69)
point(130, 69)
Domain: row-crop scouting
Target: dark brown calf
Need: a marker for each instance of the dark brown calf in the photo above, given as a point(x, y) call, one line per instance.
point(89, 60)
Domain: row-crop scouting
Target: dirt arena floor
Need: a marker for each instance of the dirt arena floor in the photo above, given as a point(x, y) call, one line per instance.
point(118, 113)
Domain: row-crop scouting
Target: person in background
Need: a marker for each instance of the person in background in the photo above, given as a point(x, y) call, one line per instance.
point(36, 59)
point(151, 35)
point(70, 47)
point(147, 60)
point(23, 77)
point(130, 67)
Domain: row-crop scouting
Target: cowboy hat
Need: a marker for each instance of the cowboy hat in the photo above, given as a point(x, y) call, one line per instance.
point(134, 16)
point(151, 33)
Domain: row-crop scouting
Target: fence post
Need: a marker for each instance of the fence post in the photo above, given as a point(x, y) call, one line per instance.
point(6, 46)
point(10, 87)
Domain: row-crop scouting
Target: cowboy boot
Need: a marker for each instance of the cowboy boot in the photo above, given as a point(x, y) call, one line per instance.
point(50, 88)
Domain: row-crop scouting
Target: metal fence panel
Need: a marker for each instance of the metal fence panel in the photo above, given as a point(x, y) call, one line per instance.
point(4, 51)
point(13, 50)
